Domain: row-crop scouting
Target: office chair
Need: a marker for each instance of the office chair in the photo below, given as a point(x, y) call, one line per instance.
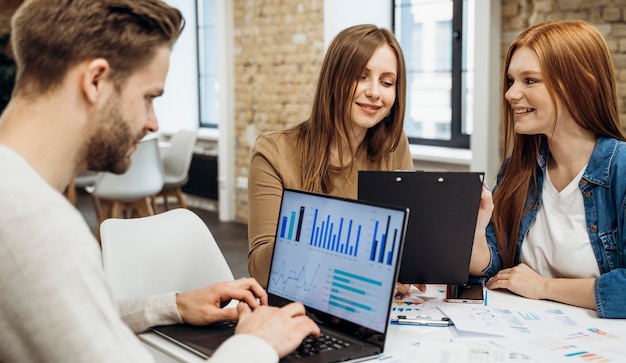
point(82, 180)
point(176, 162)
point(128, 195)
point(170, 251)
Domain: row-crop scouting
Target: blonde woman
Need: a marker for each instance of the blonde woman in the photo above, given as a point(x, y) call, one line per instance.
point(356, 123)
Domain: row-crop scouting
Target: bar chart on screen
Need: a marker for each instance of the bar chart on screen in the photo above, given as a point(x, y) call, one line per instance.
point(343, 233)
point(337, 255)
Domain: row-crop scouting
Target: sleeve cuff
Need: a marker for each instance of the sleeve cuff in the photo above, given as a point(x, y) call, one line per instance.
point(245, 348)
point(142, 314)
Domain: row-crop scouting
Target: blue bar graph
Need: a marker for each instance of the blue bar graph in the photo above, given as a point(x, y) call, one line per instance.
point(381, 244)
point(283, 226)
point(338, 234)
point(374, 242)
point(289, 223)
point(393, 246)
point(332, 234)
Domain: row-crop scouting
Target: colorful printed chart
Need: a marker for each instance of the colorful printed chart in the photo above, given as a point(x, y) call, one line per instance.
point(417, 303)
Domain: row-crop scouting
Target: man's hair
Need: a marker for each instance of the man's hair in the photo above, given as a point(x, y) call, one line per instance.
point(51, 36)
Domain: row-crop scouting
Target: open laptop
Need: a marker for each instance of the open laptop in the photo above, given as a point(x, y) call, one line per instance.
point(340, 258)
point(444, 208)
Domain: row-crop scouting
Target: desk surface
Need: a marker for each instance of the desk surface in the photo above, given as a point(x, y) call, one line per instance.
point(567, 334)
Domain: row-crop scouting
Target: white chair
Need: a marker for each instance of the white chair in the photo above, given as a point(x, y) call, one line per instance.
point(86, 178)
point(176, 162)
point(128, 195)
point(82, 180)
point(170, 251)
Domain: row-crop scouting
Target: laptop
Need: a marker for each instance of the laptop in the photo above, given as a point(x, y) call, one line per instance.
point(444, 208)
point(340, 258)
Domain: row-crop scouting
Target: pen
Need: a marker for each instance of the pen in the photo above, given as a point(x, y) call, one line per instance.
point(419, 320)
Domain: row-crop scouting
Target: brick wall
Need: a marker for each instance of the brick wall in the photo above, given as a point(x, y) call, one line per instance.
point(278, 52)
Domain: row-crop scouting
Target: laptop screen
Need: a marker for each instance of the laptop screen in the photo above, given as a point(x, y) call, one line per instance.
point(338, 256)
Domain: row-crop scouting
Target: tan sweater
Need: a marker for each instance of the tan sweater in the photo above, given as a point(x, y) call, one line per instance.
point(275, 165)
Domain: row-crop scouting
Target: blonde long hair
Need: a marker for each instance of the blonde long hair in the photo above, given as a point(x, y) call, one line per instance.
point(330, 119)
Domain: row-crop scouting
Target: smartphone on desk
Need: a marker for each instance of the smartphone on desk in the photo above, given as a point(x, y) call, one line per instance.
point(470, 293)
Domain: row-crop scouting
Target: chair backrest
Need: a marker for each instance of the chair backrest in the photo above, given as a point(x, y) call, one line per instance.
point(177, 157)
point(86, 178)
point(144, 178)
point(170, 251)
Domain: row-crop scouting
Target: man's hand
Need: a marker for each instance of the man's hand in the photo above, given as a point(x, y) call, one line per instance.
point(204, 306)
point(283, 328)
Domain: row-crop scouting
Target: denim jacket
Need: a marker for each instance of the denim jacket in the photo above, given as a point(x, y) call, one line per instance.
point(603, 186)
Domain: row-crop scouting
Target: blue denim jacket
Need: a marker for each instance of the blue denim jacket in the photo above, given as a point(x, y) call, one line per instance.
point(603, 186)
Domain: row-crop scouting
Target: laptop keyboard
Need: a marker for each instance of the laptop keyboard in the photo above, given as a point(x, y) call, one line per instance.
point(312, 345)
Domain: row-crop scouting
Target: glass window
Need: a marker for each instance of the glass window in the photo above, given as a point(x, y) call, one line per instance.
point(207, 63)
point(439, 86)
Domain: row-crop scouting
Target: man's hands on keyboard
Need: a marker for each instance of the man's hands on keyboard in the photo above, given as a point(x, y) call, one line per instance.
point(313, 345)
point(283, 328)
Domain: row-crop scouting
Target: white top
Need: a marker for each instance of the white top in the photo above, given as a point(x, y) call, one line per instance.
point(557, 243)
point(55, 304)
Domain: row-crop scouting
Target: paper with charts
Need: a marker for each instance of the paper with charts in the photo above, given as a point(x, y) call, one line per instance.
point(417, 303)
point(593, 344)
point(507, 321)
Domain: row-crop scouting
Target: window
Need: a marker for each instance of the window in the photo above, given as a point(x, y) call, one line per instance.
point(207, 65)
point(439, 70)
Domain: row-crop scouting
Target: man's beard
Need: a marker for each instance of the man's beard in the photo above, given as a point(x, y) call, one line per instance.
point(108, 147)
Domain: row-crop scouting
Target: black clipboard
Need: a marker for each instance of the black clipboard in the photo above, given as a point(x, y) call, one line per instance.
point(443, 211)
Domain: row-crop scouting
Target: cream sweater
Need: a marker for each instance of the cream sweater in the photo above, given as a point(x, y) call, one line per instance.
point(56, 305)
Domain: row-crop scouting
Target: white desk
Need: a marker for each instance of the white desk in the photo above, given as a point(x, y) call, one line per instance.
point(406, 343)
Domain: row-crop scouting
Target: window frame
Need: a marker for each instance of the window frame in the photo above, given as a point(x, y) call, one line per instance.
point(202, 74)
point(457, 138)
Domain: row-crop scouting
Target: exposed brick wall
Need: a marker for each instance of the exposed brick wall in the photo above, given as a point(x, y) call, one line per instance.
point(278, 52)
